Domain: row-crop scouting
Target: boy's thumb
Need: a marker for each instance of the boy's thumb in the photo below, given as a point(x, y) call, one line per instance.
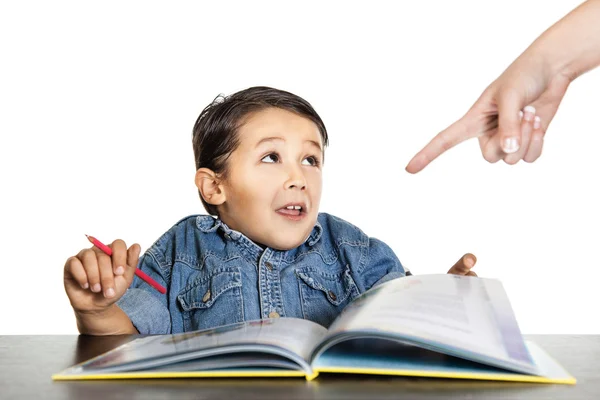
point(133, 255)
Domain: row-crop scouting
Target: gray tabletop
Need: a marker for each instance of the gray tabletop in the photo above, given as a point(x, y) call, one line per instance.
point(27, 363)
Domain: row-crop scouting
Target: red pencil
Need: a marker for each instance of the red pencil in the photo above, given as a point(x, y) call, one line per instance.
point(141, 274)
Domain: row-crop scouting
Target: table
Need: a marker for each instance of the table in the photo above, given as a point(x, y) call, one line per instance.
point(27, 363)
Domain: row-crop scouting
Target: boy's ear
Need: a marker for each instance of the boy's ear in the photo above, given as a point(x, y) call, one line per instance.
point(209, 186)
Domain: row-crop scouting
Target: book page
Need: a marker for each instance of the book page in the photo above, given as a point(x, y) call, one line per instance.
point(468, 316)
point(296, 336)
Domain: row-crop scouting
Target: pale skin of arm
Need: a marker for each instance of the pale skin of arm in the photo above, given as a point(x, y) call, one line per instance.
point(538, 80)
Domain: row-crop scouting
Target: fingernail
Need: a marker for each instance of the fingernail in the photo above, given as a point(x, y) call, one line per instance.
point(469, 262)
point(537, 121)
point(510, 145)
point(110, 292)
point(529, 112)
point(85, 285)
point(520, 114)
point(120, 270)
point(96, 288)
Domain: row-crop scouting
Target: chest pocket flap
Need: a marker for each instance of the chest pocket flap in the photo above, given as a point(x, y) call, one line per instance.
point(337, 288)
point(323, 294)
point(207, 290)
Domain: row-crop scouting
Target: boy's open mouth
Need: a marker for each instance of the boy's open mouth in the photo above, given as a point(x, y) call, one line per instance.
point(293, 210)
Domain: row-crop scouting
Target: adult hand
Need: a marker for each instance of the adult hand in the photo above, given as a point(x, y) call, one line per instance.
point(509, 118)
point(539, 79)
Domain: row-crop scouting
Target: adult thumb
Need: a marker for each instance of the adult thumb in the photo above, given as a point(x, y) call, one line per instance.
point(509, 123)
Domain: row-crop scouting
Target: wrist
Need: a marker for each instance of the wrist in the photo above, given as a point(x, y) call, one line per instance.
point(571, 47)
point(108, 321)
point(558, 61)
point(101, 313)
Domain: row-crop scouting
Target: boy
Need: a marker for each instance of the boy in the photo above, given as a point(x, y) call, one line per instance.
point(266, 253)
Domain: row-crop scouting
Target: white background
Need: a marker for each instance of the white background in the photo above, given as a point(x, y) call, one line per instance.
point(97, 104)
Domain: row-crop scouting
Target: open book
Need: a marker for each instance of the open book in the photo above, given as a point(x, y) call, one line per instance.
point(444, 326)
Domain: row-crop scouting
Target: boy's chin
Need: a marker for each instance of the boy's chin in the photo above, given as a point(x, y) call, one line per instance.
point(284, 245)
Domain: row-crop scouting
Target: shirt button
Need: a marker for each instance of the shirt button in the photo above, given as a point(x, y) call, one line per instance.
point(273, 314)
point(206, 296)
point(332, 295)
point(269, 265)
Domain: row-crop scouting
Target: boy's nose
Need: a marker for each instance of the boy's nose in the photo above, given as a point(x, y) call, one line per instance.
point(295, 179)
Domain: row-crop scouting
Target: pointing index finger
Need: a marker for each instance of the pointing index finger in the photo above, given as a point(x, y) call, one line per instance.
point(442, 142)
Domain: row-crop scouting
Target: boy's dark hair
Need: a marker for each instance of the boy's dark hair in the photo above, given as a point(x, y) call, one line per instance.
point(215, 134)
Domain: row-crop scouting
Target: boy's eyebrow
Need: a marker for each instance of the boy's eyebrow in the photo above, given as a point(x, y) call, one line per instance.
point(272, 138)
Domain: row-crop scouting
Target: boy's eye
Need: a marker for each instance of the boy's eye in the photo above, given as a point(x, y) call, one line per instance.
point(313, 161)
point(272, 157)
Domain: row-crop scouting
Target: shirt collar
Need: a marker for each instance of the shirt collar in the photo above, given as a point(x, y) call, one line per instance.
point(207, 223)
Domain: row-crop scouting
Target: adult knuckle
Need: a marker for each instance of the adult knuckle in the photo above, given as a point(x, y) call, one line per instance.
point(446, 144)
point(489, 156)
point(511, 160)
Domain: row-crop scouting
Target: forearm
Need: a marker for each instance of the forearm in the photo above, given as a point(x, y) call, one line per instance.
point(112, 321)
point(572, 45)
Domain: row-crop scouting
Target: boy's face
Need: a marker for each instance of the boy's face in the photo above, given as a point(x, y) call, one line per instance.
point(277, 166)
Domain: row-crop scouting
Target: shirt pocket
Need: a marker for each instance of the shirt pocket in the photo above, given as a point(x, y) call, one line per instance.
point(213, 300)
point(324, 294)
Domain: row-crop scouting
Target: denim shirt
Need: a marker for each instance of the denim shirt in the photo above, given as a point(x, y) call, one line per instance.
point(215, 276)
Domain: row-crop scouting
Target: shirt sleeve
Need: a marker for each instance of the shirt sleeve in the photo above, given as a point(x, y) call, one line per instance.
point(145, 306)
point(379, 265)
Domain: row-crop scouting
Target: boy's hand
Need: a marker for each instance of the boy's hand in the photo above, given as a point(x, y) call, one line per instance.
point(94, 281)
point(464, 265)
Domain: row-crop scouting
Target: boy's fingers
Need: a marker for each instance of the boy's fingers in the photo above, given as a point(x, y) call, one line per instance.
point(89, 260)
point(75, 270)
point(464, 265)
point(443, 141)
point(470, 260)
point(96, 249)
point(119, 256)
point(133, 254)
point(509, 124)
point(106, 275)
